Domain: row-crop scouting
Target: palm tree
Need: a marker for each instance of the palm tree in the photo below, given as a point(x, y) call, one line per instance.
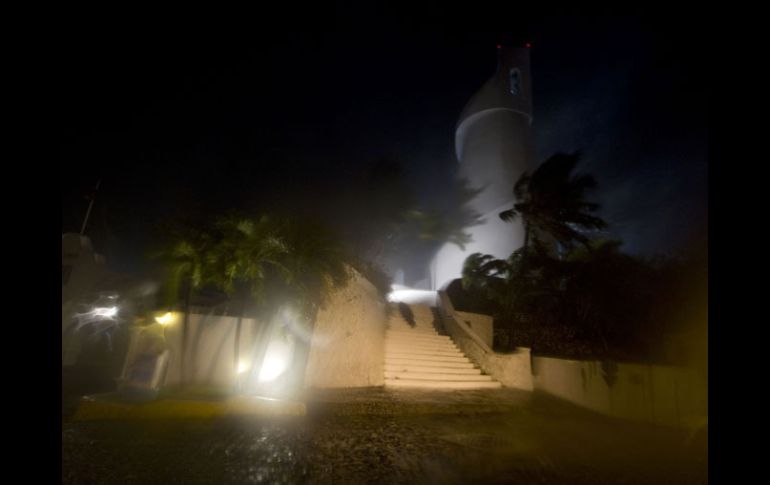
point(278, 266)
point(525, 283)
point(275, 265)
point(187, 258)
point(312, 265)
point(552, 201)
point(246, 258)
point(485, 273)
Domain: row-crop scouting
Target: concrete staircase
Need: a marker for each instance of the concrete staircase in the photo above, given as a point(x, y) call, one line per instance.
point(417, 356)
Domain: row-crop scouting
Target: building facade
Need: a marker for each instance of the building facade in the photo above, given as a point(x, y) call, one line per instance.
point(494, 147)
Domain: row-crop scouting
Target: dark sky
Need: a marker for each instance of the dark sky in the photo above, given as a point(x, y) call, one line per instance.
point(177, 125)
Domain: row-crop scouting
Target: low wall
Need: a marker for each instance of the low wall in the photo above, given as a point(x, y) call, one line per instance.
point(511, 370)
point(348, 345)
point(209, 353)
point(667, 395)
point(210, 349)
point(481, 325)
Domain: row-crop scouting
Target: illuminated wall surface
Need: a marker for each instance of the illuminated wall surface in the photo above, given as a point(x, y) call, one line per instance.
point(667, 395)
point(82, 270)
point(348, 345)
point(210, 349)
point(494, 146)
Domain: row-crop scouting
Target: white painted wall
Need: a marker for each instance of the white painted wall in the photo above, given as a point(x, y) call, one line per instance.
point(667, 395)
point(494, 236)
point(494, 147)
point(348, 345)
point(210, 349)
point(481, 325)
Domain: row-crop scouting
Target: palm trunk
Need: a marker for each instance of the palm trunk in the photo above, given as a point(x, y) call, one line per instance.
point(302, 354)
point(237, 343)
point(185, 330)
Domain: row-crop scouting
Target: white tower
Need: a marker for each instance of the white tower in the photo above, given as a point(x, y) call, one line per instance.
point(494, 147)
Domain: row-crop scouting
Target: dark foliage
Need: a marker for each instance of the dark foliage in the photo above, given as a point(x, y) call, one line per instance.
point(552, 201)
point(375, 275)
point(597, 302)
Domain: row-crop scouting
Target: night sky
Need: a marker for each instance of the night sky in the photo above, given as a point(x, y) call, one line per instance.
point(184, 126)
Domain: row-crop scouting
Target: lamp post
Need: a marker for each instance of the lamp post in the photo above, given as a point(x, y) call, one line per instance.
point(90, 205)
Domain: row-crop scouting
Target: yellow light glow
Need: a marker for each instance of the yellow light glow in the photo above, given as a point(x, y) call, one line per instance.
point(166, 318)
point(243, 367)
point(277, 358)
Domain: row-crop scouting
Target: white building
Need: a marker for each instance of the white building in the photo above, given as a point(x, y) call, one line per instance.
point(494, 146)
point(81, 267)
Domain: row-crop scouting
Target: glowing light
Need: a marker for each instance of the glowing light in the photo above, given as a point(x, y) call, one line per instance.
point(528, 45)
point(106, 312)
point(499, 46)
point(243, 367)
point(411, 296)
point(166, 318)
point(101, 321)
point(277, 359)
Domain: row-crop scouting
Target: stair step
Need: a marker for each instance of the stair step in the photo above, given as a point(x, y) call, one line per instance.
point(393, 361)
point(409, 335)
point(418, 319)
point(434, 352)
point(419, 346)
point(436, 376)
point(419, 357)
point(429, 369)
point(435, 340)
point(431, 358)
point(447, 351)
point(420, 342)
point(442, 384)
point(417, 323)
point(422, 326)
point(406, 329)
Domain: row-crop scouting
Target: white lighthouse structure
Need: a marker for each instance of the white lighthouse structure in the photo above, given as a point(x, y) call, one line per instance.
point(494, 147)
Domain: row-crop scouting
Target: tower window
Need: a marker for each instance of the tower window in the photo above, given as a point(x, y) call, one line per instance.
point(515, 78)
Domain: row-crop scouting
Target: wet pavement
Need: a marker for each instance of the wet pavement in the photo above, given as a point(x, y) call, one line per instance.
point(387, 436)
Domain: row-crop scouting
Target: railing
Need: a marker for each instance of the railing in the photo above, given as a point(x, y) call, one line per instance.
point(448, 313)
point(511, 370)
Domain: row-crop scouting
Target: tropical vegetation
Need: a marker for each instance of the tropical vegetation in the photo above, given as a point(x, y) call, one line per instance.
point(265, 265)
point(568, 290)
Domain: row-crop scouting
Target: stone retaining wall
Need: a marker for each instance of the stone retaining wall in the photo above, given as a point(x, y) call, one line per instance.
point(511, 370)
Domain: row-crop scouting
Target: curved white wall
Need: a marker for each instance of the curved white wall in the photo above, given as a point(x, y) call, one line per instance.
point(348, 345)
point(495, 237)
point(494, 148)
